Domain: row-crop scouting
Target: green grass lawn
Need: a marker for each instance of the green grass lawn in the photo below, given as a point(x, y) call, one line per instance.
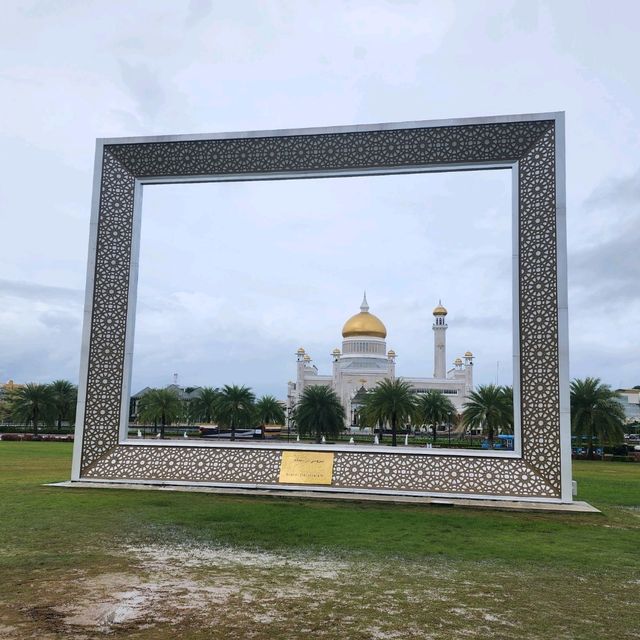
point(396, 569)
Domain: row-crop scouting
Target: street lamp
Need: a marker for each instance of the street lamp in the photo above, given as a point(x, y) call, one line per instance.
point(290, 410)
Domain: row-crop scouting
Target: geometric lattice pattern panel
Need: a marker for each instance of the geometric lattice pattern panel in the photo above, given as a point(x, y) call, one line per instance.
point(196, 464)
point(440, 474)
point(528, 145)
point(392, 472)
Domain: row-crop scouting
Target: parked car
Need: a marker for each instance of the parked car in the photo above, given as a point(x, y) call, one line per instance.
point(503, 441)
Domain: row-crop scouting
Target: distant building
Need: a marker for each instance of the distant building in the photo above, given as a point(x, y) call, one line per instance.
point(630, 401)
point(5, 392)
point(7, 388)
point(364, 361)
point(184, 393)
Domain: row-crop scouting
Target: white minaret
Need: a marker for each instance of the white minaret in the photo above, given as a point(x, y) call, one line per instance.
point(300, 362)
point(468, 370)
point(392, 363)
point(335, 355)
point(439, 342)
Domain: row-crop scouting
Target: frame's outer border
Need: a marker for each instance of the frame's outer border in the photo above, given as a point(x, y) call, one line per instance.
point(532, 146)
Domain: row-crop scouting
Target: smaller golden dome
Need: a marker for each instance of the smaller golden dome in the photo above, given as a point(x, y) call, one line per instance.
point(307, 357)
point(468, 354)
point(457, 361)
point(300, 351)
point(440, 310)
point(336, 351)
point(391, 353)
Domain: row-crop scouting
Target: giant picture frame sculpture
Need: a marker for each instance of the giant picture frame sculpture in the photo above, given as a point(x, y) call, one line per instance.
point(531, 146)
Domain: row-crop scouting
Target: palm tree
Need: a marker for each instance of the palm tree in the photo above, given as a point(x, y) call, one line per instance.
point(368, 418)
point(319, 412)
point(65, 396)
point(205, 406)
point(160, 405)
point(596, 412)
point(490, 407)
point(236, 406)
point(5, 410)
point(390, 401)
point(269, 411)
point(434, 408)
point(33, 403)
point(508, 398)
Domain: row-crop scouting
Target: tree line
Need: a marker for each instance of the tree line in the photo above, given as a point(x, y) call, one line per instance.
point(231, 407)
point(393, 403)
point(596, 414)
point(36, 404)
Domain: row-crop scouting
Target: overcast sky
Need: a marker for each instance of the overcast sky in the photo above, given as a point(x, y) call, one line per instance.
point(235, 277)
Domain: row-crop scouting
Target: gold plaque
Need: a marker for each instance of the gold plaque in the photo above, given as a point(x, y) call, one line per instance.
point(306, 467)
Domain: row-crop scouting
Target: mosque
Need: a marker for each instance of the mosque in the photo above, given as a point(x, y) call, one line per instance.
point(364, 361)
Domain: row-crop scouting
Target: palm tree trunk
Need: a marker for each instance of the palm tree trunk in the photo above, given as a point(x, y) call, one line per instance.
point(590, 454)
point(233, 429)
point(35, 422)
point(433, 432)
point(164, 420)
point(394, 439)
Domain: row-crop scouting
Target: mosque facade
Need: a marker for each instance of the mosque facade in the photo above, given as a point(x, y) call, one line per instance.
point(364, 361)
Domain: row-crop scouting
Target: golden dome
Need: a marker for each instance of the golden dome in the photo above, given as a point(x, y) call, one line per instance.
point(364, 324)
point(457, 361)
point(440, 310)
point(300, 351)
point(468, 354)
point(307, 357)
point(391, 353)
point(336, 352)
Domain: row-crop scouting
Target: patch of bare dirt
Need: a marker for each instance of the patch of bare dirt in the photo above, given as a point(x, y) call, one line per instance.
point(171, 584)
point(262, 595)
point(47, 617)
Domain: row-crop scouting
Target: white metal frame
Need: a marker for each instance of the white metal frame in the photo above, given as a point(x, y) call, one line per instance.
point(558, 118)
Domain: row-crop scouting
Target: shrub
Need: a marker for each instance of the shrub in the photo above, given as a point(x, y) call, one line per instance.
point(622, 459)
point(29, 436)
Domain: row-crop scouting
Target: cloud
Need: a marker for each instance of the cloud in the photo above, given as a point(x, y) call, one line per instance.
point(616, 192)
point(76, 71)
point(144, 87)
point(40, 331)
point(277, 265)
point(198, 11)
point(608, 268)
point(39, 292)
point(485, 322)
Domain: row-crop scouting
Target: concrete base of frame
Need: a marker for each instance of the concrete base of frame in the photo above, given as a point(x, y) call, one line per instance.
point(297, 492)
